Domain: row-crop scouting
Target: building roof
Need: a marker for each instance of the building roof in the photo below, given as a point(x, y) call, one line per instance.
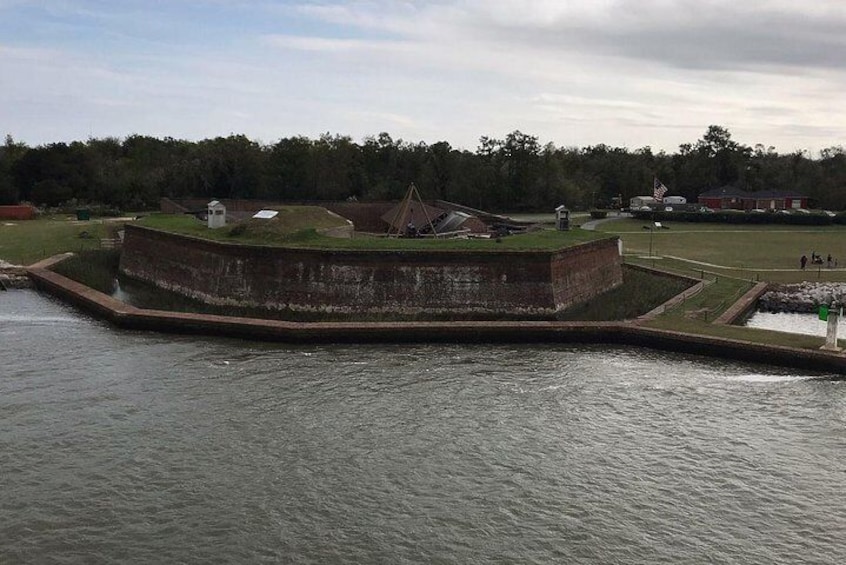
point(776, 194)
point(729, 191)
point(726, 191)
point(414, 214)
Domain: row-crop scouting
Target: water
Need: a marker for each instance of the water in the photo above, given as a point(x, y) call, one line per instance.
point(806, 324)
point(124, 447)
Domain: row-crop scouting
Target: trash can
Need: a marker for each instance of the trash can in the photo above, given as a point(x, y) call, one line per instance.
point(83, 214)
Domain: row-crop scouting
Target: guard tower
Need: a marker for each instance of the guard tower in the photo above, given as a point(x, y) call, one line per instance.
point(562, 218)
point(216, 214)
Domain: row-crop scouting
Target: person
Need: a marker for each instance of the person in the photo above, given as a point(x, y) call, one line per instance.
point(803, 261)
point(828, 261)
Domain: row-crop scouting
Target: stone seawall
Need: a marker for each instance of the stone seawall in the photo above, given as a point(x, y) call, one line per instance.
point(518, 283)
point(805, 297)
point(621, 333)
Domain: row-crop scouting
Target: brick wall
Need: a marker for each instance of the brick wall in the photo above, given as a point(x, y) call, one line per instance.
point(352, 281)
point(22, 212)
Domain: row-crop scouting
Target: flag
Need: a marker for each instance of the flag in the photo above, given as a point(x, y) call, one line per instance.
point(658, 190)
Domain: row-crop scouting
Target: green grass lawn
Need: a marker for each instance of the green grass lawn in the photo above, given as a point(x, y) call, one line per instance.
point(25, 242)
point(753, 252)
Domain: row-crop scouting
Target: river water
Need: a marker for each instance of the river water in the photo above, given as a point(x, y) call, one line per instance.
point(789, 322)
point(125, 447)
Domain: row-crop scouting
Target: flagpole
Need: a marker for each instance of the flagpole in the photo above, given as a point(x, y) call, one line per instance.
point(651, 231)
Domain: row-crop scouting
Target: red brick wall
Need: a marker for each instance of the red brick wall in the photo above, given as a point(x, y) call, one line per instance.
point(348, 281)
point(22, 212)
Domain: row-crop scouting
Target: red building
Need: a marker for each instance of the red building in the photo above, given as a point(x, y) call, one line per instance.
point(20, 212)
point(731, 198)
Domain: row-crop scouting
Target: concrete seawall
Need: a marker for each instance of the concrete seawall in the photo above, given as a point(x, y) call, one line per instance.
point(621, 333)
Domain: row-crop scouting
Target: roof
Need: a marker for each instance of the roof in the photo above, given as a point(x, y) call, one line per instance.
point(726, 191)
point(734, 192)
point(776, 194)
point(214, 204)
point(415, 215)
point(452, 221)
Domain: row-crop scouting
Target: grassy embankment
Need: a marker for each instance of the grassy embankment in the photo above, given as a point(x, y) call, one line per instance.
point(297, 227)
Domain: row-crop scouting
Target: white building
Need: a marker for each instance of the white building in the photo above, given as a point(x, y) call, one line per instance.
point(640, 201)
point(216, 214)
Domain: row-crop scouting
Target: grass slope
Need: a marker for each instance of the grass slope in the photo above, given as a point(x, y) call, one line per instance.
point(296, 229)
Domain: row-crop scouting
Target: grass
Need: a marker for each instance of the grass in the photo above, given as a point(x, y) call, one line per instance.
point(768, 253)
point(639, 293)
point(265, 233)
point(25, 242)
point(97, 269)
point(289, 221)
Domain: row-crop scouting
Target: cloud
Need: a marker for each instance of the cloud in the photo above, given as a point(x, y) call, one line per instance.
point(687, 34)
point(652, 72)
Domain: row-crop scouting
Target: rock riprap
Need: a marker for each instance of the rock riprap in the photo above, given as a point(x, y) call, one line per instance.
point(803, 297)
point(12, 276)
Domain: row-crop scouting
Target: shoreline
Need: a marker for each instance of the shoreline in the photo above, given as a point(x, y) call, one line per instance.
point(619, 333)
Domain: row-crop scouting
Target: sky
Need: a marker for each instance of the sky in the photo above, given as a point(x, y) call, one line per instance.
point(576, 73)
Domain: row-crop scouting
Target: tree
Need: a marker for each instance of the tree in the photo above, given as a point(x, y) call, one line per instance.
point(10, 153)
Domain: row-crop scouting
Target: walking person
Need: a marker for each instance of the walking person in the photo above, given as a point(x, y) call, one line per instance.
point(803, 261)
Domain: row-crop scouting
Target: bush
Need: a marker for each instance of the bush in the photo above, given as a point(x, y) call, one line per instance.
point(738, 217)
point(598, 214)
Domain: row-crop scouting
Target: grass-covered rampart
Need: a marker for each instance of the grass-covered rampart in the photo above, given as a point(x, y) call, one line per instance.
point(302, 234)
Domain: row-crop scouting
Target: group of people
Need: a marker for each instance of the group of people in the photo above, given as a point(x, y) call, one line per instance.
point(817, 259)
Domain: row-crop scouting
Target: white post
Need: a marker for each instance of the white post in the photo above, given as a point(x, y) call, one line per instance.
point(831, 329)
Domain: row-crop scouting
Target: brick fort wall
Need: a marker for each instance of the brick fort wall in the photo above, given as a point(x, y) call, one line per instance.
point(356, 281)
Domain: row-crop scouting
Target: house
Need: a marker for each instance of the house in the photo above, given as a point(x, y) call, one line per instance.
point(732, 198)
point(779, 200)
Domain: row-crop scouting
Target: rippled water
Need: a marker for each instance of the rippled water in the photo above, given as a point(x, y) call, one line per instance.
point(790, 322)
point(122, 447)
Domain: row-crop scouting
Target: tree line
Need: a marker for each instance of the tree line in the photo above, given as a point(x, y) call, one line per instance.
point(516, 173)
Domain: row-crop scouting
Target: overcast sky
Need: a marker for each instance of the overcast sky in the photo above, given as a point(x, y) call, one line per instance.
point(629, 73)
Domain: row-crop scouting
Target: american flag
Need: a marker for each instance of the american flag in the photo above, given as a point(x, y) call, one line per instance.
point(658, 190)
